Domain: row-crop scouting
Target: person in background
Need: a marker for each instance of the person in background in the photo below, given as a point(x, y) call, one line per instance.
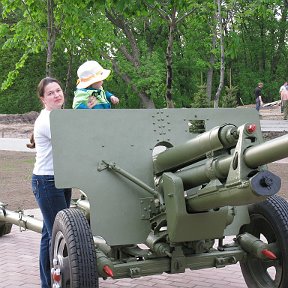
point(284, 102)
point(49, 199)
point(258, 96)
point(90, 93)
point(283, 87)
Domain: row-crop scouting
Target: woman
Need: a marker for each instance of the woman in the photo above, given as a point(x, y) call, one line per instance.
point(50, 199)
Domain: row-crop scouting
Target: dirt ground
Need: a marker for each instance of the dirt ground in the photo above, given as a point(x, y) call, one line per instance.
point(16, 167)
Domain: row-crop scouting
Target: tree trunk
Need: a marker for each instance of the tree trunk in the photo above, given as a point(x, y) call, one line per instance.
point(51, 36)
point(281, 41)
point(210, 71)
point(169, 51)
point(68, 77)
point(222, 60)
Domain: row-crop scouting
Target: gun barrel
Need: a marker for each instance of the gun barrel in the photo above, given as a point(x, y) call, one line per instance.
point(21, 220)
point(256, 189)
point(195, 149)
point(254, 157)
point(267, 152)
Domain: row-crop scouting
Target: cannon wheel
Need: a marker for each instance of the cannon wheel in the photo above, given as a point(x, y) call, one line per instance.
point(73, 251)
point(5, 228)
point(269, 222)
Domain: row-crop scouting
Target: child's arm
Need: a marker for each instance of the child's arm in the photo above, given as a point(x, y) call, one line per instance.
point(111, 98)
point(82, 106)
point(114, 100)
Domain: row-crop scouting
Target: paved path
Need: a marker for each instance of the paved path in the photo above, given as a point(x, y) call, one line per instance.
point(13, 144)
point(274, 125)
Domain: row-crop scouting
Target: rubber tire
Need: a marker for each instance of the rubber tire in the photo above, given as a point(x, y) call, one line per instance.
point(72, 244)
point(5, 228)
point(269, 218)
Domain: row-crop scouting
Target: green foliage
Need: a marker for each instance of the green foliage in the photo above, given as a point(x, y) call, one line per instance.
point(255, 49)
point(20, 97)
point(200, 98)
point(152, 79)
point(229, 99)
point(12, 75)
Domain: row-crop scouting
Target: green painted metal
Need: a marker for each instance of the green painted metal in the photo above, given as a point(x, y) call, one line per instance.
point(174, 180)
point(184, 154)
point(83, 140)
point(183, 226)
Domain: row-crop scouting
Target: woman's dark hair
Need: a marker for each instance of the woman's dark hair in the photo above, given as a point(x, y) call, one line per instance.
point(40, 92)
point(43, 83)
point(31, 145)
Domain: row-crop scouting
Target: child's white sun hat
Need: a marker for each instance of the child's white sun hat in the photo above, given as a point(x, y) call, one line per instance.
point(91, 72)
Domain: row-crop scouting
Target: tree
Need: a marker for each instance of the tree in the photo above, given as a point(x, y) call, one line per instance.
point(255, 45)
point(158, 50)
point(58, 25)
point(173, 14)
point(132, 54)
point(222, 54)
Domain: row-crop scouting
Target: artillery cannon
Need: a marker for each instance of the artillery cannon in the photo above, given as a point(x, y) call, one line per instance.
point(144, 212)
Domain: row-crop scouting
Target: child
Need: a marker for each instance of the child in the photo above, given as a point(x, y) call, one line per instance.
point(90, 93)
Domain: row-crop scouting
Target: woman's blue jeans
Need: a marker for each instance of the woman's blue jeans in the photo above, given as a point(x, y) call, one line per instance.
point(50, 201)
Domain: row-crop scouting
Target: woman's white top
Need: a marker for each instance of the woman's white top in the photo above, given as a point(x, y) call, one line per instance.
point(42, 136)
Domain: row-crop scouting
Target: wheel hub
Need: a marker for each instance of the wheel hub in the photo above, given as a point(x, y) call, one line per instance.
point(56, 274)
